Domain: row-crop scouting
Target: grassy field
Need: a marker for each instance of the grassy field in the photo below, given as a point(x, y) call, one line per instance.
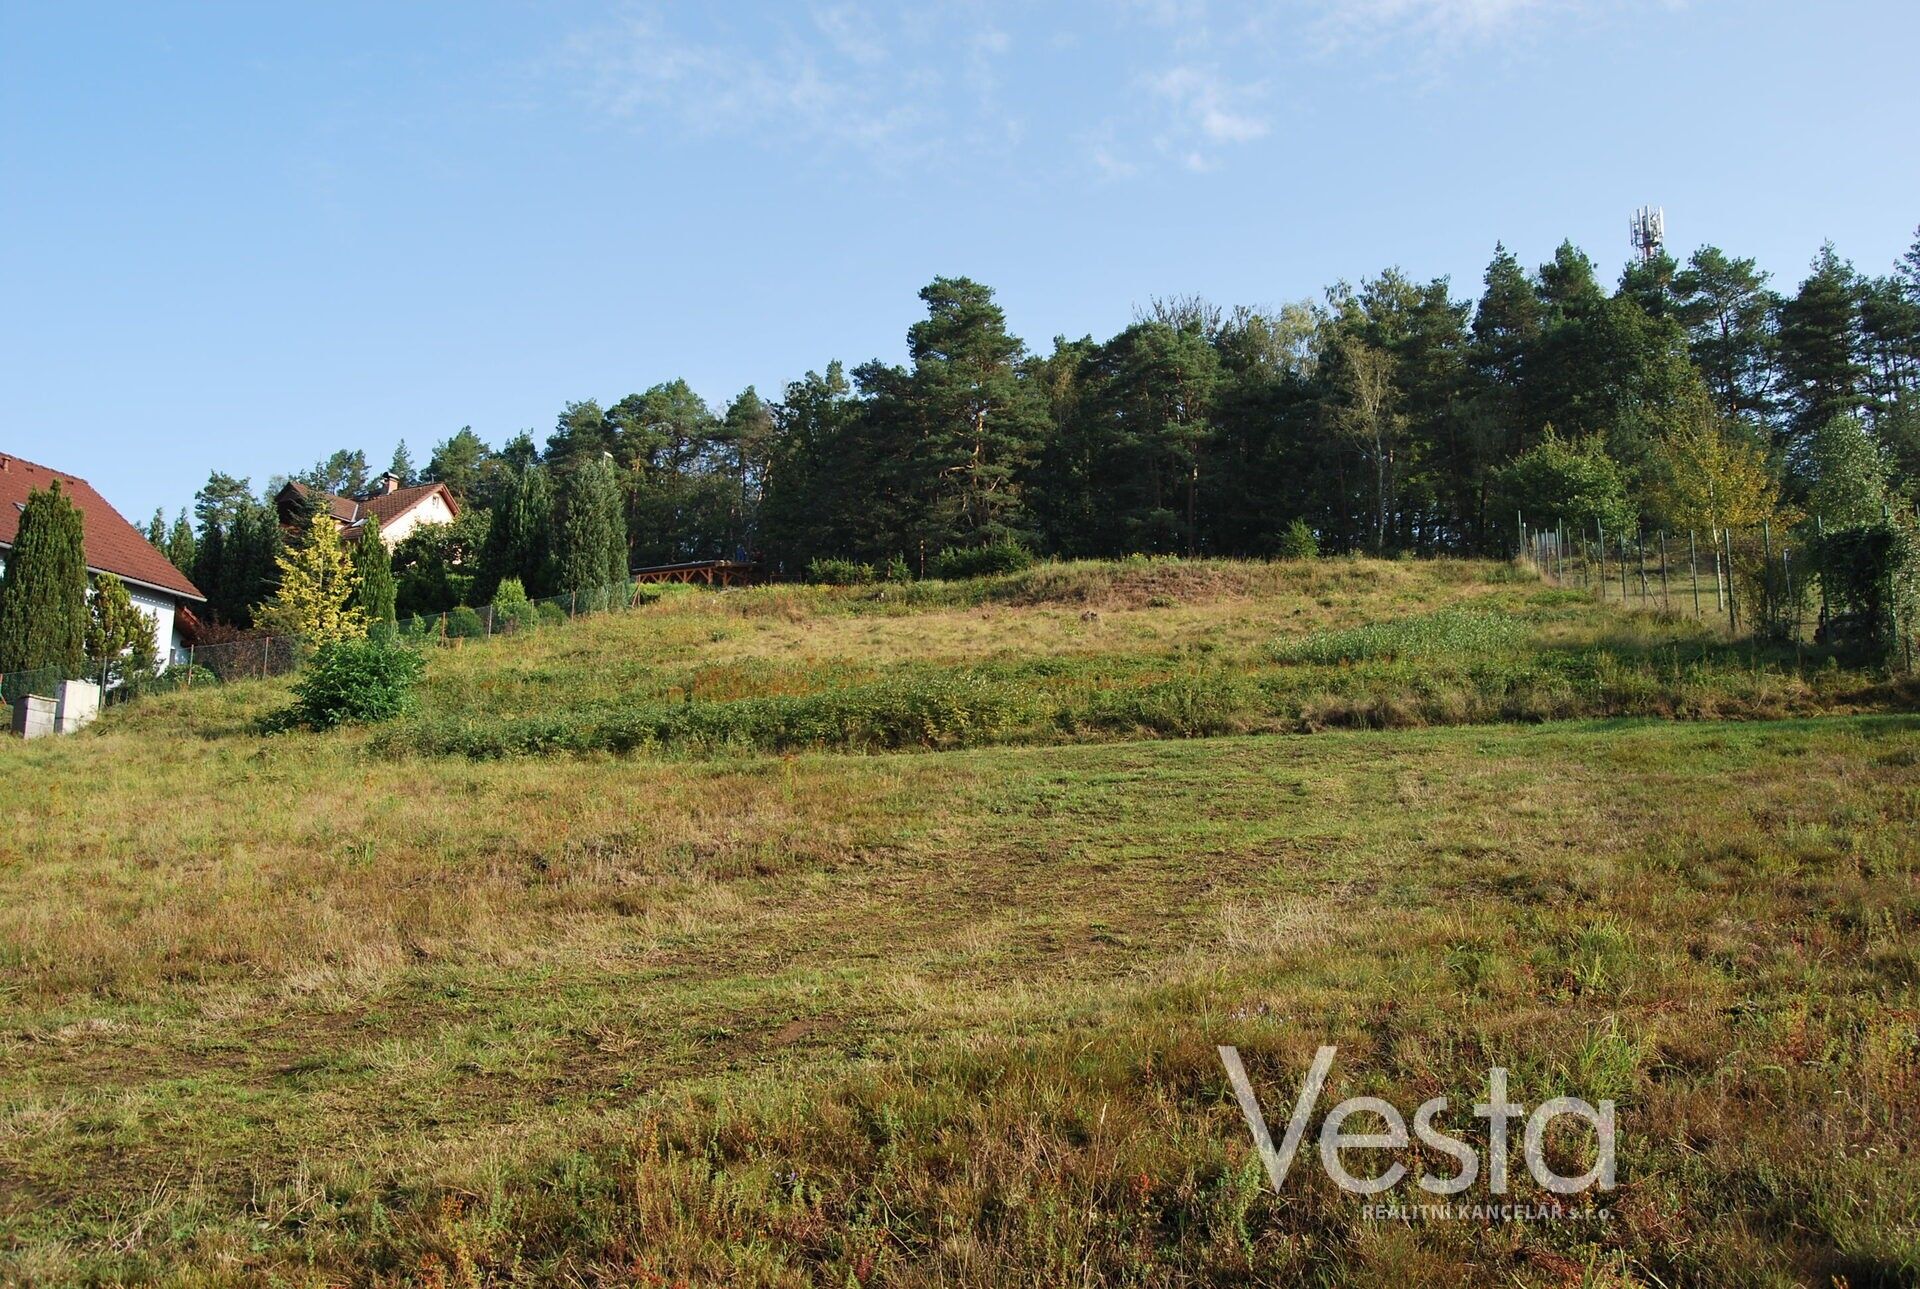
point(885, 936)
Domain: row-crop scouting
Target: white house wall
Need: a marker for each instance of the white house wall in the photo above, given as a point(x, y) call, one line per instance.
point(166, 631)
point(158, 606)
point(433, 510)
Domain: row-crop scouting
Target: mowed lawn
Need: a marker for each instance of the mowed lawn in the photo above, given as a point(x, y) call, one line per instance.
point(309, 1009)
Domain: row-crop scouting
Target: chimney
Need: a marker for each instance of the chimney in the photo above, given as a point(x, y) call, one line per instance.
point(389, 482)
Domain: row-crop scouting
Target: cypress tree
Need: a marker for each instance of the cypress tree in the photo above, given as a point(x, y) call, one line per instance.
point(521, 539)
point(593, 531)
point(43, 594)
point(250, 570)
point(119, 637)
point(181, 546)
point(374, 568)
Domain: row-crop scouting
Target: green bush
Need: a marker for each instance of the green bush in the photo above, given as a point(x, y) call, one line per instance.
point(1298, 542)
point(1871, 574)
point(1004, 556)
point(464, 623)
point(898, 570)
point(512, 611)
point(355, 681)
point(550, 614)
point(839, 572)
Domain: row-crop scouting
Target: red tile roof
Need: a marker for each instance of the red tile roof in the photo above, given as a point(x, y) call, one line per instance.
point(385, 506)
point(113, 545)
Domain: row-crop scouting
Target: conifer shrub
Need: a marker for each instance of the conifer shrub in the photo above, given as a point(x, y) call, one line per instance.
point(839, 572)
point(512, 611)
point(1298, 542)
point(1003, 556)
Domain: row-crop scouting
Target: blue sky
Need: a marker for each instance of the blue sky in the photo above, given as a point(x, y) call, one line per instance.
point(238, 236)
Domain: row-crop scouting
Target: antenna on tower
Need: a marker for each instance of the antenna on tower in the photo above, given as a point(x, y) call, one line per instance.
point(1649, 232)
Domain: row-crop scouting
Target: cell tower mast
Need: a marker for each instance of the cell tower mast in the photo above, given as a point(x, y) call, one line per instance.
point(1649, 232)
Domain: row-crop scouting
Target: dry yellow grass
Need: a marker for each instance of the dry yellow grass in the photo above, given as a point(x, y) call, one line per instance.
point(283, 1010)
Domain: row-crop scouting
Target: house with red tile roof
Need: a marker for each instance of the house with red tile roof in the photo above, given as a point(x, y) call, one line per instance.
point(112, 546)
point(399, 510)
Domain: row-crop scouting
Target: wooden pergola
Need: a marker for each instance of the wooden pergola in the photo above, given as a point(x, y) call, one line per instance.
point(704, 572)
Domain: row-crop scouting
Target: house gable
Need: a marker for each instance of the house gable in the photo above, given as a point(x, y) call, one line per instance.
point(112, 544)
point(399, 510)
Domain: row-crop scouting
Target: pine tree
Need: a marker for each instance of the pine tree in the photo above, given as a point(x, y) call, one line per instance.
point(401, 467)
point(157, 529)
point(43, 593)
point(978, 426)
point(373, 571)
point(119, 636)
point(209, 569)
point(315, 600)
point(1820, 344)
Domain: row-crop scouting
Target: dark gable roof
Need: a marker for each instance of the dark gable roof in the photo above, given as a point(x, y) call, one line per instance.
point(113, 545)
point(384, 506)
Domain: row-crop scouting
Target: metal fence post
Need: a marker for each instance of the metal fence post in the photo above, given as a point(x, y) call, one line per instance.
point(1666, 594)
point(1600, 539)
point(1733, 609)
point(1693, 571)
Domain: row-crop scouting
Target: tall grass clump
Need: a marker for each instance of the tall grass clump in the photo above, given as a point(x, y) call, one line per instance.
point(1450, 632)
point(959, 709)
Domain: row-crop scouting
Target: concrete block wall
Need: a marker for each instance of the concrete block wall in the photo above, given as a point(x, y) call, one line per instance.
point(33, 716)
point(75, 704)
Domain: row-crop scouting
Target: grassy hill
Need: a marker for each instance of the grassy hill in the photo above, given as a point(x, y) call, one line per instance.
point(885, 935)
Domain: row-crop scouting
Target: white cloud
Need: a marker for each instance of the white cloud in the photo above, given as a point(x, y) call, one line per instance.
point(1206, 112)
point(1474, 16)
point(888, 88)
point(1454, 23)
point(851, 33)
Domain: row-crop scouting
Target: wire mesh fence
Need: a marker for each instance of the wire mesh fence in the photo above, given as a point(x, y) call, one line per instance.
point(1753, 581)
point(262, 655)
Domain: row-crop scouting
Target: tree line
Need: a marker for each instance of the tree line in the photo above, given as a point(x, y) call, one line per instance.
point(1384, 417)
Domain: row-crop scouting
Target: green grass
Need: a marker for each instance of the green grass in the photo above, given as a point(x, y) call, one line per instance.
point(1173, 650)
point(319, 1009)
